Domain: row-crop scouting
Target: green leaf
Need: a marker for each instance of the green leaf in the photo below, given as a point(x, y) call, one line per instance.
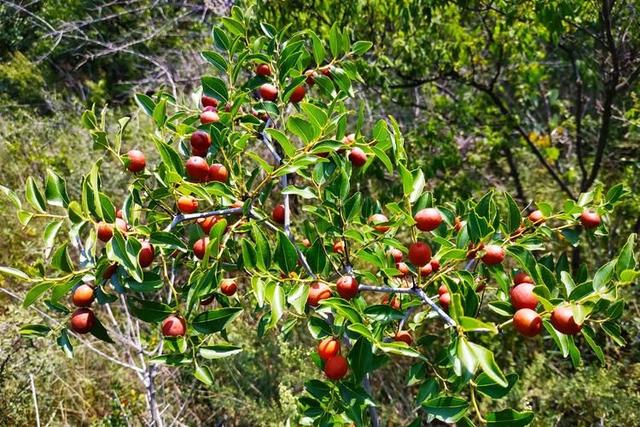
point(509, 418)
point(61, 259)
point(298, 298)
point(34, 330)
point(215, 59)
point(160, 113)
point(361, 47)
point(302, 129)
point(203, 374)
point(448, 409)
point(361, 329)
point(34, 195)
point(471, 324)
point(100, 332)
point(64, 342)
point(399, 348)
point(627, 258)
point(318, 48)
point(219, 351)
point(215, 87)
point(487, 386)
point(149, 311)
point(319, 328)
point(590, 337)
point(275, 296)
point(146, 103)
point(287, 146)
point(514, 219)
point(285, 256)
point(603, 275)
point(213, 321)
point(165, 238)
point(488, 364)
point(14, 272)
point(36, 292)
point(417, 186)
point(55, 190)
point(305, 193)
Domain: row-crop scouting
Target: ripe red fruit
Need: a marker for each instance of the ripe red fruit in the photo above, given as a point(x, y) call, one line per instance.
point(527, 322)
point(208, 300)
point(536, 217)
point(207, 223)
point(562, 320)
point(108, 272)
point(209, 116)
point(474, 249)
point(173, 326)
point(396, 254)
point(419, 253)
point(277, 215)
point(435, 264)
point(263, 70)
point(357, 157)
point(403, 336)
point(426, 270)
point(589, 219)
point(522, 296)
point(136, 161)
point(377, 220)
point(317, 292)
point(493, 254)
point(443, 290)
point(336, 367)
point(197, 168)
point(298, 94)
point(458, 223)
point(403, 268)
point(83, 295)
point(146, 254)
point(522, 277)
point(347, 287)
point(217, 172)
point(338, 247)
point(208, 101)
point(328, 348)
point(119, 214)
point(445, 300)
point(104, 231)
point(228, 287)
point(428, 219)
point(82, 320)
point(268, 92)
point(187, 204)
point(311, 77)
point(326, 70)
point(200, 140)
point(200, 247)
point(394, 302)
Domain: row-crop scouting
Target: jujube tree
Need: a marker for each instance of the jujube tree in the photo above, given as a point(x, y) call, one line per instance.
point(255, 207)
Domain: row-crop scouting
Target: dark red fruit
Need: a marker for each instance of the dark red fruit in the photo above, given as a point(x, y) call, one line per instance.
point(228, 287)
point(104, 231)
point(82, 320)
point(268, 92)
point(328, 348)
point(378, 222)
point(197, 169)
point(208, 101)
point(562, 320)
point(298, 94)
point(336, 367)
point(428, 219)
point(263, 70)
point(590, 219)
point(536, 217)
point(187, 204)
point(522, 296)
point(403, 336)
point(217, 172)
point(357, 157)
point(200, 247)
point(136, 161)
point(83, 295)
point(146, 254)
point(317, 292)
point(277, 215)
point(493, 254)
point(347, 287)
point(527, 322)
point(200, 140)
point(419, 253)
point(174, 326)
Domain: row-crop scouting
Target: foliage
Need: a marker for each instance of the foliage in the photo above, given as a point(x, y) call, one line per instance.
point(315, 146)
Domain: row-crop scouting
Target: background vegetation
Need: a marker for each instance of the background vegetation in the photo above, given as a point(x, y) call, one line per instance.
point(537, 97)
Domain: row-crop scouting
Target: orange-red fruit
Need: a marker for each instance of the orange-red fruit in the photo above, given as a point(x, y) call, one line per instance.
point(228, 287)
point(347, 287)
point(403, 336)
point(445, 300)
point(419, 253)
point(522, 296)
point(268, 92)
point(208, 101)
point(426, 270)
point(428, 219)
point(174, 326)
point(104, 231)
point(378, 220)
point(394, 302)
point(82, 320)
point(317, 292)
point(277, 215)
point(83, 295)
point(209, 116)
point(435, 264)
point(263, 70)
point(298, 94)
point(396, 254)
point(522, 277)
point(562, 320)
point(443, 290)
point(336, 367)
point(349, 139)
point(527, 322)
point(200, 140)
point(357, 157)
point(326, 70)
point(187, 204)
point(536, 217)
point(121, 224)
point(146, 254)
point(207, 223)
point(217, 172)
point(200, 247)
point(338, 247)
point(590, 219)
point(197, 168)
point(136, 162)
point(493, 254)
point(457, 224)
point(403, 268)
point(328, 348)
